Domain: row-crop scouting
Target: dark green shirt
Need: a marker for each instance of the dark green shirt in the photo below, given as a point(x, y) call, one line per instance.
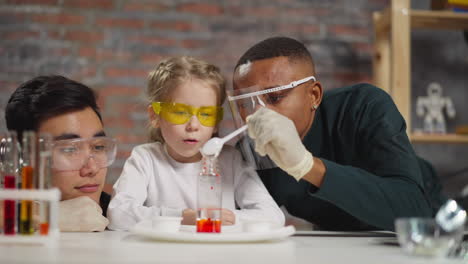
point(373, 175)
point(104, 200)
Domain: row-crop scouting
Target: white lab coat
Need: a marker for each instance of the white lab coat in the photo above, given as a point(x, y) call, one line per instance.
point(154, 184)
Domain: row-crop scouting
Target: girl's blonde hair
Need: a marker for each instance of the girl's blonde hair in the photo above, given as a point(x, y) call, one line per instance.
point(172, 72)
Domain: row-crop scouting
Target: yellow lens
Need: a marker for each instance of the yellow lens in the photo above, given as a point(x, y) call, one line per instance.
point(176, 114)
point(207, 116)
point(210, 115)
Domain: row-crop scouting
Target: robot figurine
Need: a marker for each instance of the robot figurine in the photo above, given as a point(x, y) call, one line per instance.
point(432, 107)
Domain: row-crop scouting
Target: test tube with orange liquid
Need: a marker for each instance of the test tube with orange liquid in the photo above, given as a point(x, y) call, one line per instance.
point(28, 155)
point(209, 197)
point(44, 153)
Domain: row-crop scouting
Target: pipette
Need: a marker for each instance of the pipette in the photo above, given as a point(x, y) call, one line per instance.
point(214, 145)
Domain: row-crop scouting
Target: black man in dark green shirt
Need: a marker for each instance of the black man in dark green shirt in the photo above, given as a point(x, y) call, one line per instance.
point(344, 160)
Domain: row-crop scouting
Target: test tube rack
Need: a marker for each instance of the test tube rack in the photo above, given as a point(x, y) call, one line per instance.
point(48, 195)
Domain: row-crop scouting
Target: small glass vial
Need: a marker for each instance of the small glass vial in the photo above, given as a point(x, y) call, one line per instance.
point(9, 162)
point(209, 197)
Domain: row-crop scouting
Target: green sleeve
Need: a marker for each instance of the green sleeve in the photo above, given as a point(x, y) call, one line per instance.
point(384, 181)
point(375, 200)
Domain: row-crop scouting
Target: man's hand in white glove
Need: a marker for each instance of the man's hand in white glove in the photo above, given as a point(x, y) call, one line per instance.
point(81, 214)
point(276, 136)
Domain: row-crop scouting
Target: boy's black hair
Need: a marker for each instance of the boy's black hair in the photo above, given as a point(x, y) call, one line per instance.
point(276, 47)
point(44, 97)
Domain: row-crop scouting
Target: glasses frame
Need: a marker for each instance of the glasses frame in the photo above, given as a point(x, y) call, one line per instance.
point(274, 89)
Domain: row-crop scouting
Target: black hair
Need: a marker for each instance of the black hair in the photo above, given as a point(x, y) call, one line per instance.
point(276, 47)
point(44, 97)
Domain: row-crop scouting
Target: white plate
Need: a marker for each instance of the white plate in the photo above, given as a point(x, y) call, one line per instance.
point(227, 235)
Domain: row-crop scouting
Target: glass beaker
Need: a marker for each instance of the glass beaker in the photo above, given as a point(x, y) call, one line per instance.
point(209, 197)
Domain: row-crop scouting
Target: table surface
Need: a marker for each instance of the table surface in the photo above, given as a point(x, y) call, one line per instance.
point(123, 247)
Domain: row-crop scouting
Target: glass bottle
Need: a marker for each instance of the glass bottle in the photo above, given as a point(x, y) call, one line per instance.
point(209, 197)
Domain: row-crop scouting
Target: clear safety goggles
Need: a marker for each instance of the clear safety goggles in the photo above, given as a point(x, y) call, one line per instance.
point(179, 114)
point(244, 102)
point(74, 154)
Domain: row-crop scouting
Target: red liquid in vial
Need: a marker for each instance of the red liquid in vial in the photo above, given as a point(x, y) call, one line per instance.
point(9, 207)
point(208, 226)
point(44, 229)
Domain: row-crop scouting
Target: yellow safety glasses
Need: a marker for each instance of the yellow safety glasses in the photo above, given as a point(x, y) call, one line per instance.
point(178, 114)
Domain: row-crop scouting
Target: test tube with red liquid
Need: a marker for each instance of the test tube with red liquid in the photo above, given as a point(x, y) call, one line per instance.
point(9, 171)
point(209, 197)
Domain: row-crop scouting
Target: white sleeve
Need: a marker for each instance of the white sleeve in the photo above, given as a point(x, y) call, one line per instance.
point(251, 195)
point(126, 207)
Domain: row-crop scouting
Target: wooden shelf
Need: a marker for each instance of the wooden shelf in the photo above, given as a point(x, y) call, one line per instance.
point(439, 138)
point(392, 57)
point(438, 19)
point(425, 19)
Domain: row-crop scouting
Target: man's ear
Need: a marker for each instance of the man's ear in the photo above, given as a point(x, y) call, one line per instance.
point(316, 93)
point(154, 118)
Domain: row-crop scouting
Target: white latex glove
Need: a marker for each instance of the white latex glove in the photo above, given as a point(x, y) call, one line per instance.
point(81, 214)
point(276, 136)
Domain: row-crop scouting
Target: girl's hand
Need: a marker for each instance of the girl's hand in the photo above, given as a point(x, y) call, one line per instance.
point(189, 217)
point(227, 217)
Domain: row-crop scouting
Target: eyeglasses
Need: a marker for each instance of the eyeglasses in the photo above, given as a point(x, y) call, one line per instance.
point(267, 96)
point(73, 154)
point(178, 114)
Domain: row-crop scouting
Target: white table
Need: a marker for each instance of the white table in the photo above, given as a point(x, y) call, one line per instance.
point(122, 247)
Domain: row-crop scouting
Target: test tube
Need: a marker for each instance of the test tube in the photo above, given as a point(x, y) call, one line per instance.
point(44, 178)
point(9, 173)
point(209, 197)
point(28, 151)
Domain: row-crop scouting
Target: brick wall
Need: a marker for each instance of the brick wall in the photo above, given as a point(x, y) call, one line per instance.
point(110, 45)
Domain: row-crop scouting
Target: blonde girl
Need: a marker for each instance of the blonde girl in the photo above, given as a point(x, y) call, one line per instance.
point(160, 178)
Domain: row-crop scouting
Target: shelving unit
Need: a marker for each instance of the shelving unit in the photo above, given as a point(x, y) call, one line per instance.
point(392, 70)
point(445, 138)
